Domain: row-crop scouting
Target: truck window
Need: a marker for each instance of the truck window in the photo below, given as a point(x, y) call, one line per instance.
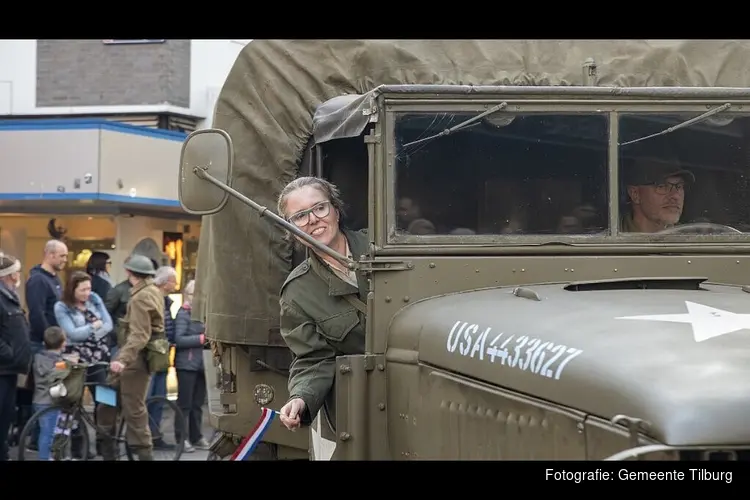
point(710, 161)
point(344, 163)
point(510, 174)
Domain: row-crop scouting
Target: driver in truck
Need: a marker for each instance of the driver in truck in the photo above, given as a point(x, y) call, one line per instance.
point(322, 301)
point(656, 195)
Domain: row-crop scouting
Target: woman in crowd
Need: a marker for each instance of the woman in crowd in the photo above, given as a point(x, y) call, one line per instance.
point(191, 378)
point(98, 268)
point(15, 348)
point(84, 318)
point(322, 301)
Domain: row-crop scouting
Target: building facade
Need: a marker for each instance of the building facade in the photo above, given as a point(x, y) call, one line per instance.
point(91, 133)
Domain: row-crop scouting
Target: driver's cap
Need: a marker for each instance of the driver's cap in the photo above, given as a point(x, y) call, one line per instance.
point(647, 172)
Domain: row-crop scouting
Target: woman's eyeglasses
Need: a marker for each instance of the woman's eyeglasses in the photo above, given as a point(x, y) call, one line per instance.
point(302, 218)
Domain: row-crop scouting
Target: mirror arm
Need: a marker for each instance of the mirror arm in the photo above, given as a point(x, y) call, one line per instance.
point(263, 211)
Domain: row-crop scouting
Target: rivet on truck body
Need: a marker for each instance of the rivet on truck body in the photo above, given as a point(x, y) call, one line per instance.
point(345, 369)
point(344, 436)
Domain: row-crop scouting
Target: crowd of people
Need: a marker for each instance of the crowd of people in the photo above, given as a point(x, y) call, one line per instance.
point(90, 319)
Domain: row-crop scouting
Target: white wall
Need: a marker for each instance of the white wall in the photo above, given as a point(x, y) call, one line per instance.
point(17, 77)
point(210, 62)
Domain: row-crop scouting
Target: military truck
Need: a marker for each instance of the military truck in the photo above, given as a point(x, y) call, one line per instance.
point(558, 245)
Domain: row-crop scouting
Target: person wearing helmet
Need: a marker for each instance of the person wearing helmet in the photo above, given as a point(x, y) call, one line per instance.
point(144, 318)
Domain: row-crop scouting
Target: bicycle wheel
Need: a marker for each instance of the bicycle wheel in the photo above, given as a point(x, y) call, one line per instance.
point(172, 426)
point(63, 447)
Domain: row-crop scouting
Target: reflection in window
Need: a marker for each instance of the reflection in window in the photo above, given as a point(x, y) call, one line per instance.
point(531, 174)
point(690, 181)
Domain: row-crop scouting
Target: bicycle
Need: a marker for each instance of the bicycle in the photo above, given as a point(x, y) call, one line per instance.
point(75, 416)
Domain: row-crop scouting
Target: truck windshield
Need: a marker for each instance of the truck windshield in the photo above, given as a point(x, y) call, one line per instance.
point(535, 174)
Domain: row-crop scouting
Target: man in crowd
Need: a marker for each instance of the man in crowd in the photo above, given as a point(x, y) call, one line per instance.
point(145, 317)
point(166, 280)
point(43, 289)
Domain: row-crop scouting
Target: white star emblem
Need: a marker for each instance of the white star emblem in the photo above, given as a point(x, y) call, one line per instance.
point(707, 322)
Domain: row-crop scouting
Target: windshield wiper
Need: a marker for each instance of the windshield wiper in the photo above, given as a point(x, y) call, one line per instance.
point(687, 123)
point(459, 126)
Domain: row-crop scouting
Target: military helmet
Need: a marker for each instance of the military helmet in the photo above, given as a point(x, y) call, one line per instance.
point(140, 264)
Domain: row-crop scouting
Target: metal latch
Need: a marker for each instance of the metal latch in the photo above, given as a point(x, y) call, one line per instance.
point(634, 425)
point(370, 266)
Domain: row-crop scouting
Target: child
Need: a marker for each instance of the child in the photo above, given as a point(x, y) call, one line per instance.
point(45, 377)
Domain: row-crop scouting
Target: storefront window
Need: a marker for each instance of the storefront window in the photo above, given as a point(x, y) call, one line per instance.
point(182, 254)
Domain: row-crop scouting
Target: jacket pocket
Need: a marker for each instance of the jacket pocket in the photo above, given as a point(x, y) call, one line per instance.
point(16, 323)
point(15, 332)
point(337, 327)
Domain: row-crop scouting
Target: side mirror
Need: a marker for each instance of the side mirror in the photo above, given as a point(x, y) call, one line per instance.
point(204, 189)
point(209, 151)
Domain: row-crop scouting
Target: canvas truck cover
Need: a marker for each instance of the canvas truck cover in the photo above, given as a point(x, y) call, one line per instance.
point(268, 106)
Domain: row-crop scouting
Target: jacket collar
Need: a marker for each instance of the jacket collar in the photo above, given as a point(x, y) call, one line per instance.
point(337, 286)
point(10, 294)
point(140, 286)
point(51, 354)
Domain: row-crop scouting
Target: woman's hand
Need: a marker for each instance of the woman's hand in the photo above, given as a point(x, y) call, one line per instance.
point(97, 324)
point(290, 413)
point(116, 367)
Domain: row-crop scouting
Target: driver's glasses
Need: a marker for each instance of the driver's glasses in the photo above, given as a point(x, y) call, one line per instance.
point(319, 210)
point(668, 187)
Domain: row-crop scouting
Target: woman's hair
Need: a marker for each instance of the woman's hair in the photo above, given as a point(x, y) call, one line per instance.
point(8, 264)
point(97, 262)
point(329, 190)
point(188, 290)
point(69, 294)
point(163, 274)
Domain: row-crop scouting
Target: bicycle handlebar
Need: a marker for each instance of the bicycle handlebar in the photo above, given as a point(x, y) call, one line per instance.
point(89, 365)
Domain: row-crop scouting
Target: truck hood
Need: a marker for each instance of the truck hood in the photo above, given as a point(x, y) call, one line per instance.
point(678, 358)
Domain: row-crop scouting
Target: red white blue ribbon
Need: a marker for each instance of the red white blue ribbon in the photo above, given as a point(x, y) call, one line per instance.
point(248, 444)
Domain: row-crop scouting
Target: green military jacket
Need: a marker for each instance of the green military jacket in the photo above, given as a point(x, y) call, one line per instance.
point(319, 324)
point(144, 318)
